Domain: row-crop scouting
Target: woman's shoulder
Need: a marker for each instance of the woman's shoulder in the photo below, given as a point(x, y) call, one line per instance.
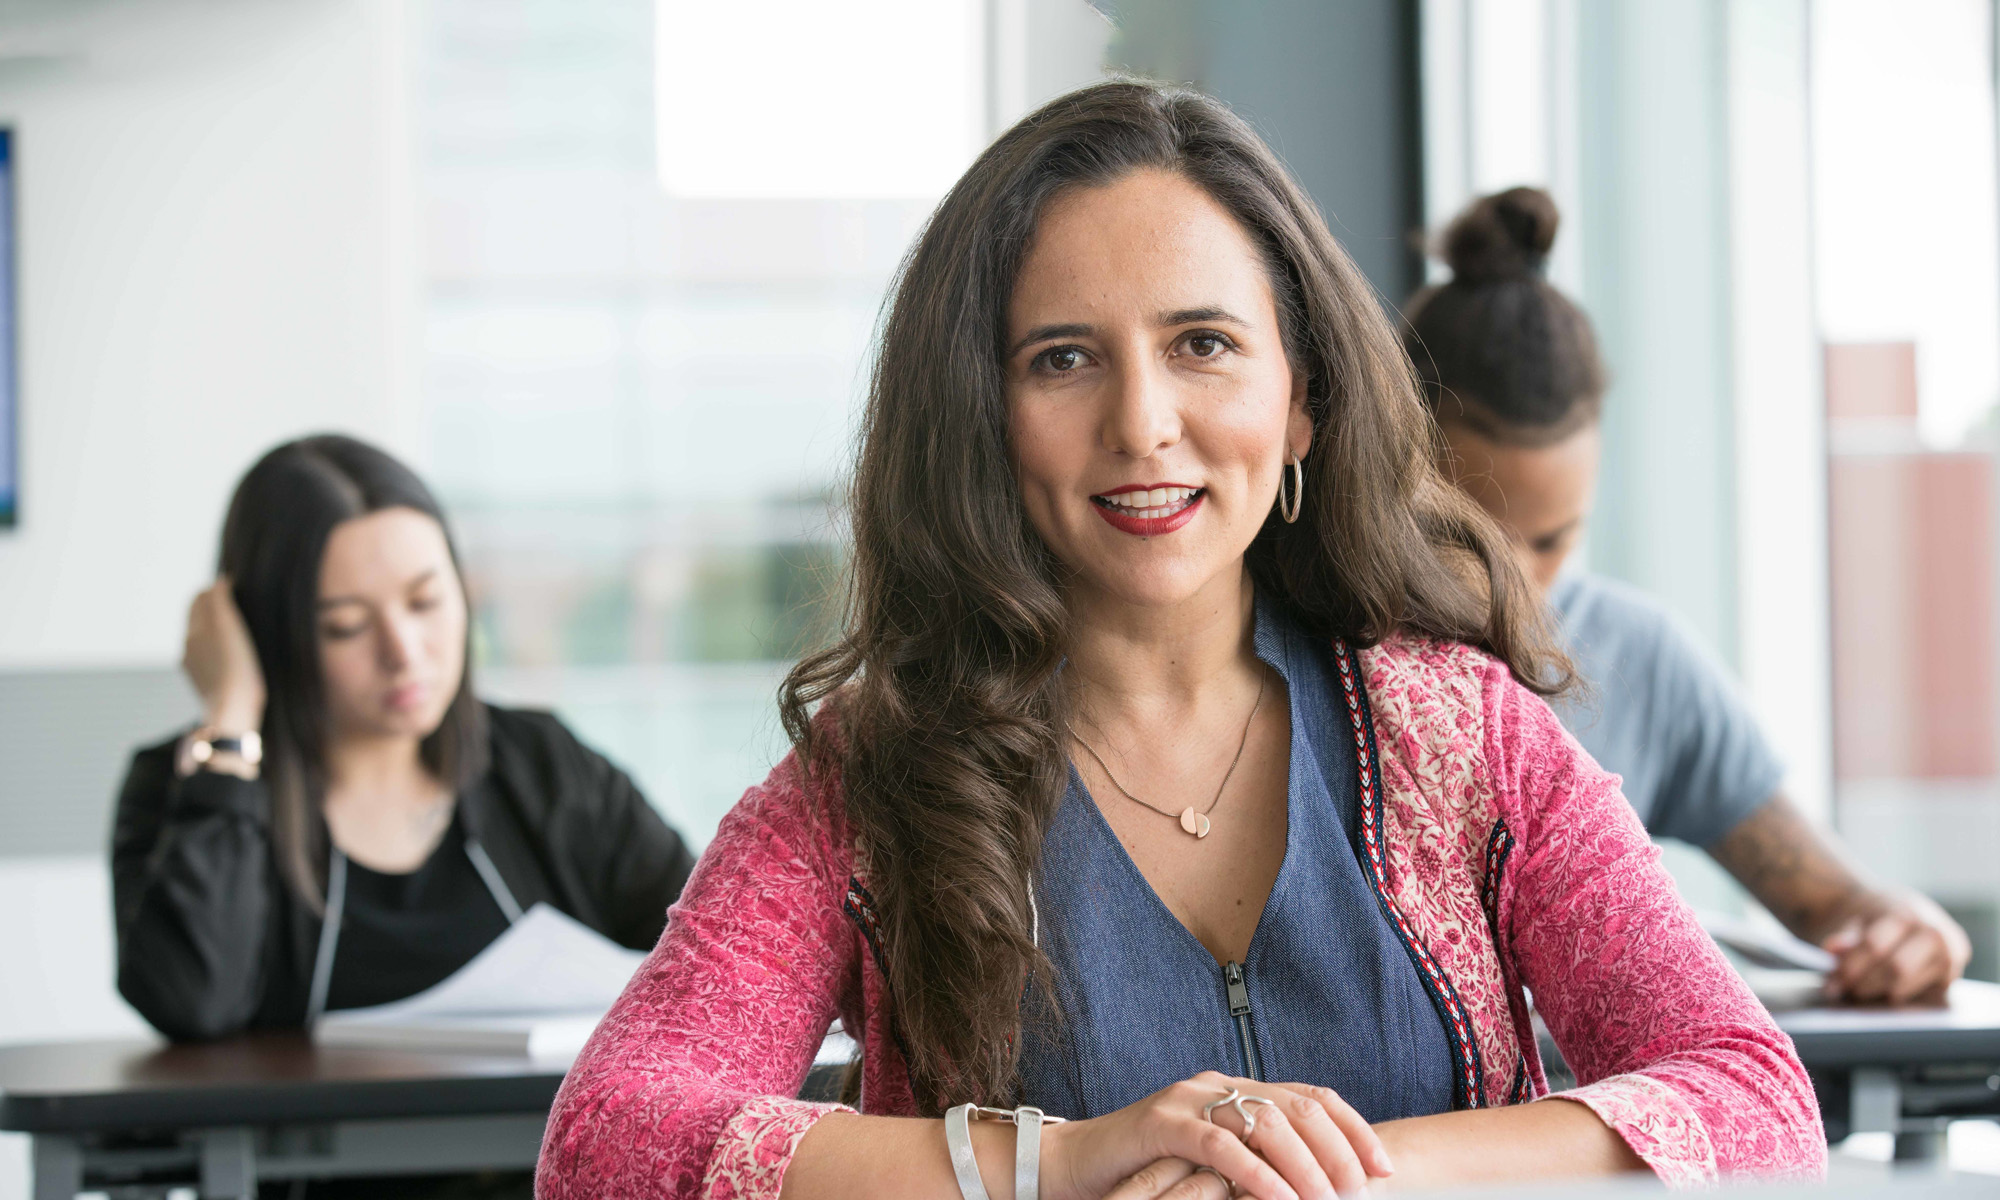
point(1456, 709)
point(527, 728)
point(797, 814)
point(535, 759)
point(1413, 677)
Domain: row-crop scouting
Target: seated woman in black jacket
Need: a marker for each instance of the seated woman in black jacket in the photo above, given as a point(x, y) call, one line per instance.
point(350, 823)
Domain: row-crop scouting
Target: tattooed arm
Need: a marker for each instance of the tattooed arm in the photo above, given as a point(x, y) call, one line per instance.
point(1892, 945)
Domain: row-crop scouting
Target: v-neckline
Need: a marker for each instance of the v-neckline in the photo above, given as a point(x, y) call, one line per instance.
point(1079, 792)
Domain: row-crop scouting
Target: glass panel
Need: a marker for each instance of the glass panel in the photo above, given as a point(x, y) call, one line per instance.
point(638, 397)
point(1908, 288)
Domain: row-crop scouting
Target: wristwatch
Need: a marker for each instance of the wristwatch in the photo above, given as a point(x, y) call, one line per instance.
point(204, 744)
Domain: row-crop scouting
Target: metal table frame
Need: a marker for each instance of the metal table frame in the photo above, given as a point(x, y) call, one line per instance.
point(231, 1160)
point(137, 1119)
point(1907, 1072)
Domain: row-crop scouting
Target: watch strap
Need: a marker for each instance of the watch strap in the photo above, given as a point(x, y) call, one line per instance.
point(205, 744)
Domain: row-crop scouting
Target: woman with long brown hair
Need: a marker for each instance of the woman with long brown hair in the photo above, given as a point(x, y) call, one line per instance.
point(350, 823)
point(1180, 772)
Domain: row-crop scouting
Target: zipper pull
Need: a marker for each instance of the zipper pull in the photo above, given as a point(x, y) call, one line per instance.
point(1239, 992)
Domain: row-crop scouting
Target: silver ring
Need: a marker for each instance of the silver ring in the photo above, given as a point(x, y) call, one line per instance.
point(1250, 1122)
point(1229, 1097)
point(1226, 1180)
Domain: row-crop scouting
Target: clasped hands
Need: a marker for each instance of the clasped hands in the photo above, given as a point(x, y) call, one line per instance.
point(1195, 1139)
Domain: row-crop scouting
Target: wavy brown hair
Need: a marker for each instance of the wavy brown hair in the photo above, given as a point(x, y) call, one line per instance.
point(950, 747)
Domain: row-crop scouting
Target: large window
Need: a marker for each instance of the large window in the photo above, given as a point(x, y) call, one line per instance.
point(1908, 293)
point(658, 239)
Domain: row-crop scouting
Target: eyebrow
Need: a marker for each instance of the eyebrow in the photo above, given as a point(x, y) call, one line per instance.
point(1188, 316)
point(1178, 316)
point(337, 601)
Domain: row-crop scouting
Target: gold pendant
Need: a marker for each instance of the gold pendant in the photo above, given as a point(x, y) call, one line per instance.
point(1196, 824)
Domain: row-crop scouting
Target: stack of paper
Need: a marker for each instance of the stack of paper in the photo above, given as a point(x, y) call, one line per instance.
point(539, 990)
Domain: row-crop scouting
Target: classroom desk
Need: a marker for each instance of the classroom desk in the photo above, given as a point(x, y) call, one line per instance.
point(228, 1114)
point(225, 1115)
point(1909, 1071)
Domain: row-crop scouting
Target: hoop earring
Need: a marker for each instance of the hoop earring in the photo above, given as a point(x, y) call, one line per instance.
point(1290, 511)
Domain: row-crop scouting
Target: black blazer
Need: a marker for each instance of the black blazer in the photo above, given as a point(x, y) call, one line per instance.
point(212, 941)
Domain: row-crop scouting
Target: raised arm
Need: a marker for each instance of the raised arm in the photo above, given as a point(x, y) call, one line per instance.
point(1893, 946)
point(1672, 1050)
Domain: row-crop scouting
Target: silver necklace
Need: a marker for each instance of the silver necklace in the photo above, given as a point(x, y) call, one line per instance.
point(1194, 824)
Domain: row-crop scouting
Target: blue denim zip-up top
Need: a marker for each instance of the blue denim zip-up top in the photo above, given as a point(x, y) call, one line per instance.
point(1327, 993)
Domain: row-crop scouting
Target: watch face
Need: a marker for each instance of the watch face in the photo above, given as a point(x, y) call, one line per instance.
point(200, 750)
point(253, 747)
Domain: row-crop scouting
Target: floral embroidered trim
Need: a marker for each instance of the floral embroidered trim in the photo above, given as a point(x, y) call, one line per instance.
point(860, 909)
point(1524, 1082)
point(757, 1145)
point(1499, 844)
point(1658, 1123)
point(1468, 1076)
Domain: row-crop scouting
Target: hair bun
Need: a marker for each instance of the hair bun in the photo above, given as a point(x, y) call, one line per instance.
point(1503, 236)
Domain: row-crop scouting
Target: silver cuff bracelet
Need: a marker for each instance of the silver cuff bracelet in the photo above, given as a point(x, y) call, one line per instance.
point(1027, 1121)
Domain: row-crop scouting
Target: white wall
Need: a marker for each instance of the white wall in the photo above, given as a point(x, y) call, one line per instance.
point(61, 922)
point(214, 256)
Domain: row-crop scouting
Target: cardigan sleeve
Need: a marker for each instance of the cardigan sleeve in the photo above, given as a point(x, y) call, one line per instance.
point(686, 1087)
point(1669, 1045)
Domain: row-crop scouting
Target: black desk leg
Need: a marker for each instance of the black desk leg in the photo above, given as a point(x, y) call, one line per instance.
point(58, 1167)
point(1921, 1145)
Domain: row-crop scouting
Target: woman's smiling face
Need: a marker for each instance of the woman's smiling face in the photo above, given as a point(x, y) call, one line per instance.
point(1151, 407)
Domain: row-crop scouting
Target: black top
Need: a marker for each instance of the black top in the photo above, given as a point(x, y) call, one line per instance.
point(401, 933)
point(212, 941)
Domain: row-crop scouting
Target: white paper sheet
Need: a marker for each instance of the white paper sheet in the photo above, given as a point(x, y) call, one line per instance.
point(1764, 946)
point(546, 963)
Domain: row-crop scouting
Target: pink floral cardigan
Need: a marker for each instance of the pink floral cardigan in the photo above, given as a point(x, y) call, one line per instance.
point(1505, 857)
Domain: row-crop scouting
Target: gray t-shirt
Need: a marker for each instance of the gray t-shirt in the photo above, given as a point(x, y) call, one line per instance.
point(1662, 713)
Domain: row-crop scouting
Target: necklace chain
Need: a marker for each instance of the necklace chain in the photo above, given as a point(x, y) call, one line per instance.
point(1263, 680)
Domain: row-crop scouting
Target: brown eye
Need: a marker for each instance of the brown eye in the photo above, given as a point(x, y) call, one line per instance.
point(340, 633)
point(1207, 345)
point(1059, 359)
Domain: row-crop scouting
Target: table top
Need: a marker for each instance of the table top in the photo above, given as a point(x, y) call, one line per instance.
point(254, 1079)
point(1967, 1029)
point(275, 1077)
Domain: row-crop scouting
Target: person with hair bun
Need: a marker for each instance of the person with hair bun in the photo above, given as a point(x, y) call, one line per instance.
point(1510, 368)
point(1181, 770)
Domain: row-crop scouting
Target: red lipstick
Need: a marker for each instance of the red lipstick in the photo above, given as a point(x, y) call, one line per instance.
point(1143, 520)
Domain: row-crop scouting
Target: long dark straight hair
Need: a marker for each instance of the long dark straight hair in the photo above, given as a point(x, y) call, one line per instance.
point(273, 541)
point(946, 726)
